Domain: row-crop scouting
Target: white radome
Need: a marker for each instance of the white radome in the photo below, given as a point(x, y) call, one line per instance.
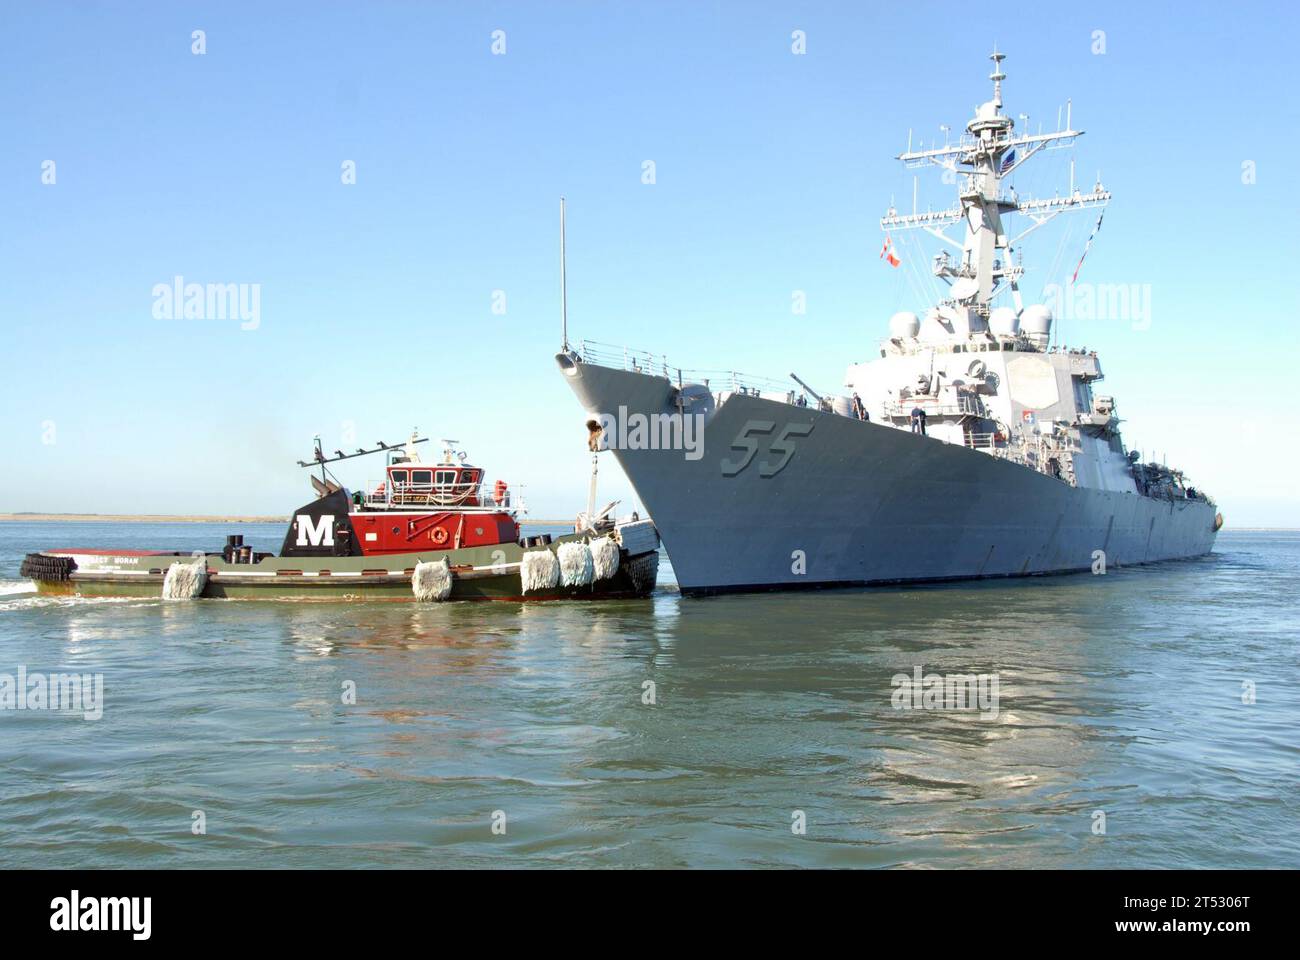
point(1036, 322)
point(1004, 322)
point(904, 325)
point(936, 328)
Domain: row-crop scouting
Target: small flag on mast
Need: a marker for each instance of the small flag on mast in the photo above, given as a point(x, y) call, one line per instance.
point(1086, 246)
point(887, 253)
point(1007, 161)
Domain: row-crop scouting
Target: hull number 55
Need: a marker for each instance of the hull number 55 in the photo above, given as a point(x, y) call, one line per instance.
point(780, 450)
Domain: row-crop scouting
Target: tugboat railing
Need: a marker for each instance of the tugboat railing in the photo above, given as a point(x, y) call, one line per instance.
point(446, 496)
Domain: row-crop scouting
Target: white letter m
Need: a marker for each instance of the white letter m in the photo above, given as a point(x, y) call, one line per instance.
point(322, 534)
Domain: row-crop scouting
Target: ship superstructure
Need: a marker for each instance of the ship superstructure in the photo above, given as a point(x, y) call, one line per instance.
point(971, 446)
point(984, 376)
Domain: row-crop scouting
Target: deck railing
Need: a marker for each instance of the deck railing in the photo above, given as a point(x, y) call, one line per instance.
point(966, 405)
point(982, 441)
point(444, 496)
point(642, 361)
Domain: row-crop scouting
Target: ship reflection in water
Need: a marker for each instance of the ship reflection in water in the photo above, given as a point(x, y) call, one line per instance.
point(1121, 696)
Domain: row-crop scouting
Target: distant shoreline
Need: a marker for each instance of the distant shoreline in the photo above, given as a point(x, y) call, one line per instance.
point(130, 518)
point(1260, 529)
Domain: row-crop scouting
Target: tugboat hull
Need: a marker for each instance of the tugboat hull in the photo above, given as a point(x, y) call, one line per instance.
point(479, 573)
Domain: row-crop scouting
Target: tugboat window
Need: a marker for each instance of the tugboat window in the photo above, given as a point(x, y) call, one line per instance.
point(421, 476)
point(446, 477)
point(399, 476)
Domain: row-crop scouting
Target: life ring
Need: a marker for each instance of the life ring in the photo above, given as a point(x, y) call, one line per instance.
point(439, 535)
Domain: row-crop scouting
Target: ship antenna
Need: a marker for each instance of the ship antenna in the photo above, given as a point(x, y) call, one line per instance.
point(997, 76)
point(564, 288)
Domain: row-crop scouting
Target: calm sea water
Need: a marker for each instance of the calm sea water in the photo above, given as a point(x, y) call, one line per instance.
point(1120, 694)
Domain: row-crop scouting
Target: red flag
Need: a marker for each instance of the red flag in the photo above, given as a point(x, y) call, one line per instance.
point(887, 253)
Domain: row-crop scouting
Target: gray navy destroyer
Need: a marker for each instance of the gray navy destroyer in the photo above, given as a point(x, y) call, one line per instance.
point(970, 447)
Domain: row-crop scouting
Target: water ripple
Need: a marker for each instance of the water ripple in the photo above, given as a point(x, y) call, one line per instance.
point(669, 732)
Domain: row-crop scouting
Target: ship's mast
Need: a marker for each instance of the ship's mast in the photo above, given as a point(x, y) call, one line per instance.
point(983, 157)
point(564, 289)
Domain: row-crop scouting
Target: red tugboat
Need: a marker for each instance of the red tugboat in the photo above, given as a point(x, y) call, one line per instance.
point(428, 531)
point(443, 505)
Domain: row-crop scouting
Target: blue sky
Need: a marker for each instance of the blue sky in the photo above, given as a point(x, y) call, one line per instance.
point(772, 171)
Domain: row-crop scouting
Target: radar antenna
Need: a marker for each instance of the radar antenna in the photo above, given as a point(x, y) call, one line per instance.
point(982, 158)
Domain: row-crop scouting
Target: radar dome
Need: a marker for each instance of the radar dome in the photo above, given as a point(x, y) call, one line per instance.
point(1004, 322)
point(1036, 323)
point(963, 320)
point(904, 325)
point(936, 328)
